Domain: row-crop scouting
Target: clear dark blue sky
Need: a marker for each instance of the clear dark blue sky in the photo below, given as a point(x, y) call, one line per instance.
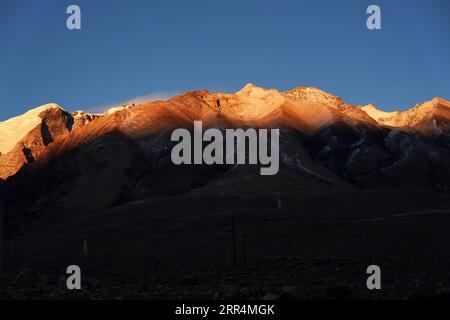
point(135, 48)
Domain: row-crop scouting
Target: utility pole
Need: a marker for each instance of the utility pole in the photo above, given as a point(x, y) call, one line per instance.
point(245, 248)
point(279, 205)
point(85, 248)
point(234, 240)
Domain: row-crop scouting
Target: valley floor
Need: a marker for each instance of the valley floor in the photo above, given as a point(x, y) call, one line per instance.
point(219, 247)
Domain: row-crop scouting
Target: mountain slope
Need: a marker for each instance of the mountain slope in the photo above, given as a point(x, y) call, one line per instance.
point(26, 138)
point(423, 117)
point(79, 160)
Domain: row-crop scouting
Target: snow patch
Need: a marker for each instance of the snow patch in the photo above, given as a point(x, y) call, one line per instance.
point(14, 129)
point(408, 118)
point(119, 108)
point(251, 102)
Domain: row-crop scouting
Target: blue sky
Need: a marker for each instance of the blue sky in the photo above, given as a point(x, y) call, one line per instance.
point(154, 48)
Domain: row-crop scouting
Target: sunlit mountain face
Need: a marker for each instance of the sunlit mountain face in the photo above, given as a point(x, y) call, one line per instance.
point(325, 144)
point(71, 175)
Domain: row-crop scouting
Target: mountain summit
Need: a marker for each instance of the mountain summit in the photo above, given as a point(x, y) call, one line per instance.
point(422, 116)
point(15, 129)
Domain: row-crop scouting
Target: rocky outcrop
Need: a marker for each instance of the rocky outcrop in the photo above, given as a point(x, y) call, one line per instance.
point(50, 124)
point(81, 118)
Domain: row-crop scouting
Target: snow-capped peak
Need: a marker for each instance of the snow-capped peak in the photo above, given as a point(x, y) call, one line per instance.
point(253, 91)
point(14, 129)
point(251, 102)
point(248, 87)
point(408, 118)
point(314, 95)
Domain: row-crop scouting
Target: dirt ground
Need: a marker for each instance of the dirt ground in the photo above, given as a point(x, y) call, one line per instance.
point(211, 247)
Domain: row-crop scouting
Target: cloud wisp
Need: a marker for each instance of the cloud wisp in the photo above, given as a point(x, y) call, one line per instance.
point(155, 96)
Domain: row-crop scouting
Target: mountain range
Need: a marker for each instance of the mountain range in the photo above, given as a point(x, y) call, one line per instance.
point(52, 158)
